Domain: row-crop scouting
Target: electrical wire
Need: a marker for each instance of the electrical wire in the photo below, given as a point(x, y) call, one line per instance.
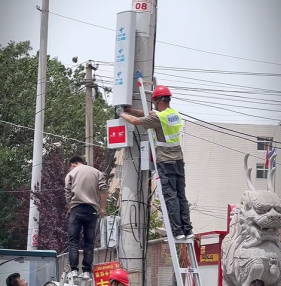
point(229, 98)
point(181, 69)
point(222, 83)
point(219, 131)
point(172, 44)
point(50, 134)
point(222, 108)
point(226, 147)
point(224, 128)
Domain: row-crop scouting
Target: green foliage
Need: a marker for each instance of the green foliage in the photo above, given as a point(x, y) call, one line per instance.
point(155, 221)
point(64, 116)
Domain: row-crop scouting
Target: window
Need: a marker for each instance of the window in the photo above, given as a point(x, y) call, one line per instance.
point(261, 171)
point(118, 172)
point(263, 142)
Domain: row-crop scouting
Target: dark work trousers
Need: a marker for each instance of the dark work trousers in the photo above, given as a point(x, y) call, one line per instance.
point(172, 178)
point(82, 216)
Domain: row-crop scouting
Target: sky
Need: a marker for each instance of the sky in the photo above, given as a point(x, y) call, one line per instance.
point(218, 35)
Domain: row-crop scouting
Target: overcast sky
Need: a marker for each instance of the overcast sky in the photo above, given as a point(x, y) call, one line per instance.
point(239, 29)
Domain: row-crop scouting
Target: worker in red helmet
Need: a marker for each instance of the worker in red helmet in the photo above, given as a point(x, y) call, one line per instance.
point(167, 125)
point(118, 277)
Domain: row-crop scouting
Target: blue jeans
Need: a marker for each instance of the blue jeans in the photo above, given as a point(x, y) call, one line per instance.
point(82, 216)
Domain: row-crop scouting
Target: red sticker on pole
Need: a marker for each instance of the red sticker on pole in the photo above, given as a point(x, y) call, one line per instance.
point(34, 242)
point(144, 6)
point(116, 134)
point(101, 272)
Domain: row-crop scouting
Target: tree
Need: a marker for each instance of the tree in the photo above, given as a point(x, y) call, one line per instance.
point(64, 116)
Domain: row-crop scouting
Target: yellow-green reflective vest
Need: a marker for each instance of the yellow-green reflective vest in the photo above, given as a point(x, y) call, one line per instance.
point(171, 125)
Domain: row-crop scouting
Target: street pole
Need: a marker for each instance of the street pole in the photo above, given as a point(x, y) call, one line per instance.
point(89, 115)
point(33, 223)
point(133, 204)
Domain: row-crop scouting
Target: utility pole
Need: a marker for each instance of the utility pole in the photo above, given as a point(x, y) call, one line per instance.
point(89, 115)
point(133, 204)
point(33, 223)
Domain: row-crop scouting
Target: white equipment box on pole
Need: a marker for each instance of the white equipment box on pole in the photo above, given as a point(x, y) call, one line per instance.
point(146, 156)
point(112, 231)
point(119, 134)
point(193, 270)
point(124, 58)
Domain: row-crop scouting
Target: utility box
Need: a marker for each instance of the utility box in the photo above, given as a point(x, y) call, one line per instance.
point(146, 156)
point(124, 58)
point(119, 134)
point(112, 229)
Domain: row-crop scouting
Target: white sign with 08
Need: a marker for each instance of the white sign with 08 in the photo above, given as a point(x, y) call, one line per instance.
point(144, 6)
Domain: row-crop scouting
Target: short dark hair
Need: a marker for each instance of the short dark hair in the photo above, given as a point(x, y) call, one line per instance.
point(257, 282)
point(76, 160)
point(12, 280)
point(49, 284)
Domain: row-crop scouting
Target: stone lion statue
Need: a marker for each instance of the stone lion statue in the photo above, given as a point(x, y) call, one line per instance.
point(251, 250)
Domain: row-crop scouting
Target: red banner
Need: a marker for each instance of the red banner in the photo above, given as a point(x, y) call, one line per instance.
point(102, 271)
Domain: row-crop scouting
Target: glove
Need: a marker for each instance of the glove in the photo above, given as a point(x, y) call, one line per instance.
point(119, 110)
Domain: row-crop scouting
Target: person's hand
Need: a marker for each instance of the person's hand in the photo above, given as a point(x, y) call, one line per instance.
point(119, 110)
point(67, 208)
point(128, 109)
point(102, 212)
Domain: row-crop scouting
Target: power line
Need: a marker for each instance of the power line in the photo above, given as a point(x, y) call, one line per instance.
point(217, 54)
point(229, 98)
point(222, 108)
point(221, 83)
point(47, 133)
point(226, 147)
point(180, 69)
point(219, 131)
point(212, 90)
point(231, 105)
point(245, 89)
point(224, 128)
point(254, 89)
point(171, 44)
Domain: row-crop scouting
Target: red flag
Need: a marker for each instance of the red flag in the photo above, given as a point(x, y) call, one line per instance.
point(266, 158)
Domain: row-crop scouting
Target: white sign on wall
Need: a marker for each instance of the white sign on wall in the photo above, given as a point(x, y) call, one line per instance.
point(142, 6)
point(124, 58)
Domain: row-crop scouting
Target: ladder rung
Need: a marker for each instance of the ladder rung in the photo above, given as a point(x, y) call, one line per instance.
point(189, 270)
point(148, 91)
point(187, 241)
point(147, 81)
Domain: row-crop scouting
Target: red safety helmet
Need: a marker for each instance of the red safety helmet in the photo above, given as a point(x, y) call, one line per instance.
point(160, 91)
point(120, 276)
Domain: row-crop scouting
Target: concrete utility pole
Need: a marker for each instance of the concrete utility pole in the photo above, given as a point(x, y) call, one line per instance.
point(89, 115)
point(132, 209)
point(33, 223)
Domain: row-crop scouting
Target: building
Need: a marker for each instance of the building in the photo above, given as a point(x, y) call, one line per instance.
point(214, 166)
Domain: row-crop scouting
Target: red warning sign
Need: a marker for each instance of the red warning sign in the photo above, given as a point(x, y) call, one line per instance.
point(101, 272)
point(116, 134)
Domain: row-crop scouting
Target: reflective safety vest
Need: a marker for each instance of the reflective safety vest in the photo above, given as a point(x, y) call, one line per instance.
point(171, 125)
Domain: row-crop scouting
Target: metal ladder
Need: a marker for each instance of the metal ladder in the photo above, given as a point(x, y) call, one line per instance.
point(68, 277)
point(193, 270)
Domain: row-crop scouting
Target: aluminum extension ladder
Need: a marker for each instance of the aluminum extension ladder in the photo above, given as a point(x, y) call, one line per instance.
point(193, 270)
point(67, 277)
